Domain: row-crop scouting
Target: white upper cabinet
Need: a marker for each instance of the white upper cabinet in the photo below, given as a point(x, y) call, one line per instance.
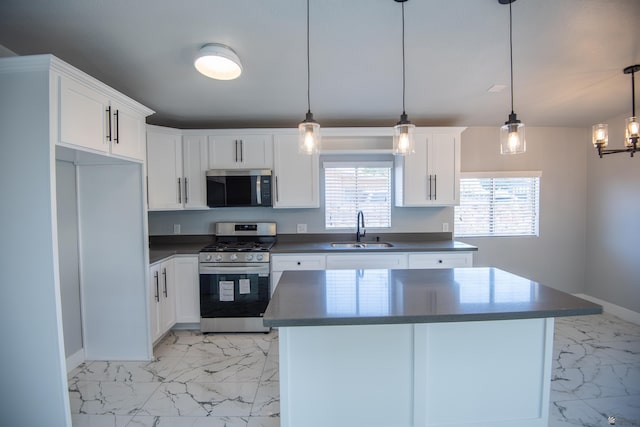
point(164, 168)
point(296, 181)
point(194, 169)
point(176, 168)
point(431, 175)
point(240, 151)
point(94, 117)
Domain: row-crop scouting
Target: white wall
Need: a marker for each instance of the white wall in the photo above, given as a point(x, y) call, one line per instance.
point(557, 257)
point(613, 224)
point(69, 259)
point(32, 365)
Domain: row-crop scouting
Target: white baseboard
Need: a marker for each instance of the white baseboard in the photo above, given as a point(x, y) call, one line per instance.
point(75, 360)
point(616, 310)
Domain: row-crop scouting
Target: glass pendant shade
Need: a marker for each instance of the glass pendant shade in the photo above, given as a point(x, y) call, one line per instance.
point(309, 136)
point(512, 140)
point(600, 135)
point(403, 138)
point(632, 132)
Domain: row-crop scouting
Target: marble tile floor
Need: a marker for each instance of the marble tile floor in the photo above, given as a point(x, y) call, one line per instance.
point(231, 380)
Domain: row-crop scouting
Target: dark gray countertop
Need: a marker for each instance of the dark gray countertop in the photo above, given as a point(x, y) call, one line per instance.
point(369, 297)
point(397, 246)
point(161, 247)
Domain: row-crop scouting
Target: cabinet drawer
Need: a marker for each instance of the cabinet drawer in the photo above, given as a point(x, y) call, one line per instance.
point(440, 260)
point(362, 261)
point(294, 262)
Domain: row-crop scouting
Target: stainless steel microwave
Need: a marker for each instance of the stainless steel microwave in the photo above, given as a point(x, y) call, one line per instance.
point(238, 187)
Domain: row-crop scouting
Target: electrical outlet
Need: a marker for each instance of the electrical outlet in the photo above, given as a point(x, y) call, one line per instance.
point(445, 227)
point(302, 228)
point(176, 228)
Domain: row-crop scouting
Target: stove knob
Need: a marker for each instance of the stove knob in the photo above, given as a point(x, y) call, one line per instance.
point(233, 257)
point(249, 257)
point(218, 258)
point(259, 257)
point(207, 257)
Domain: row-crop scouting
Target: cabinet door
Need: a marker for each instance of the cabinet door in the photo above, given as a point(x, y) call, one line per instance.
point(187, 289)
point(194, 164)
point(412, 176)
point(128, 132)
point(154, 301)
point(83, 116)
point(297, 176)
point(167, 296)
point(368, 260)
point(240, 152)
point(440, 260)
point(430, 176)
point(444, 164)
point(164, 170)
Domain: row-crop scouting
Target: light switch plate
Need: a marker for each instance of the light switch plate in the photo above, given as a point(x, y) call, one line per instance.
point(445, 227)
point(176, 228)
point(301, 228)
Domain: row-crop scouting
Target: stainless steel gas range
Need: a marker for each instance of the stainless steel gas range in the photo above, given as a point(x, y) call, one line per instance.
point(234, 277)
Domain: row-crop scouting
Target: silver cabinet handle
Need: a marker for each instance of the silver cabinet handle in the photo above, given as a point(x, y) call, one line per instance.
point(435, 187)
point(164, 273)
point(236, 141)
point(179, 191)
point(429, 193)
point(241, 151)
point(109, 123)
point(277, 191)
point(157, 287)
point(116, 138)
point(186, 191)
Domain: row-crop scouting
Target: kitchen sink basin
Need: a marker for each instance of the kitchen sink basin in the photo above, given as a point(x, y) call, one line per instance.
point(360, 245)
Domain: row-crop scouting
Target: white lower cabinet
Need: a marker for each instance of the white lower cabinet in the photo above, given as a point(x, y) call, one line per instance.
point(347, 261)
point(281, 263)
point(162, 298)
point(440, 260)
point(187, 289)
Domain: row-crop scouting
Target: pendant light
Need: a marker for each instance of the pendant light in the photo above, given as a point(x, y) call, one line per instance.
point(632, 126)
point(512, 139)
point(308, 129)
point(403, 141)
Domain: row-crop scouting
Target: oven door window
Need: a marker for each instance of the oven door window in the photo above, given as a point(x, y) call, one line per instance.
point(233, 295)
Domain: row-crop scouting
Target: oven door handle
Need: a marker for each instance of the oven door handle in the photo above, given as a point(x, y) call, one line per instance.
point(234, 270)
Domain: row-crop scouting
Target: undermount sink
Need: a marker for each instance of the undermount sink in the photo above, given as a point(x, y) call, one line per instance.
point(360, 245)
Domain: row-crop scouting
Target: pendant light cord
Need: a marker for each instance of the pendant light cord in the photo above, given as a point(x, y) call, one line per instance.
point(511, 52)
point(308, 65)
point(403, 66)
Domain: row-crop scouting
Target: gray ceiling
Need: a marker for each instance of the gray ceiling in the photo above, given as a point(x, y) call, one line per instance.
point(568, 58)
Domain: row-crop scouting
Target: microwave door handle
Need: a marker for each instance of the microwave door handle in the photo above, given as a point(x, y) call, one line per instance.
point(258, 192)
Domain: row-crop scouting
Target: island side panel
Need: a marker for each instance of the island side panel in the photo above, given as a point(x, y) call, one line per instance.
point(483, 374)
point(346, 376)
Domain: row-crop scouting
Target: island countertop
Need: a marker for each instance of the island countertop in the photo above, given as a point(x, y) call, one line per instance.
point(370, 297)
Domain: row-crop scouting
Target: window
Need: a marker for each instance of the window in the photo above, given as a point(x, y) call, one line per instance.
point(350, 187)
point(498, 204)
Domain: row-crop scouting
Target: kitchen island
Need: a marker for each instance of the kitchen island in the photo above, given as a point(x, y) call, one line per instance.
point(455, 347)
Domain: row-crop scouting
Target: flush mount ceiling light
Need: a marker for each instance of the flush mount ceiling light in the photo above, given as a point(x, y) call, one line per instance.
point(218, 62)
point(512, 133)
point(403, 142)
point(632, 127)
point(308, 129)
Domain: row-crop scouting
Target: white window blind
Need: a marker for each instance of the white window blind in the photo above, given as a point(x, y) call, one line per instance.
point(498, 204)
point(350, 187)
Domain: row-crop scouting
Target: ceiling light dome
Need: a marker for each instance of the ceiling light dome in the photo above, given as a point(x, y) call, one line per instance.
point(218, 62)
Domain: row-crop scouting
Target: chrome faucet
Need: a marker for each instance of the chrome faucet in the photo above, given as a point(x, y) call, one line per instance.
point(359, 223)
